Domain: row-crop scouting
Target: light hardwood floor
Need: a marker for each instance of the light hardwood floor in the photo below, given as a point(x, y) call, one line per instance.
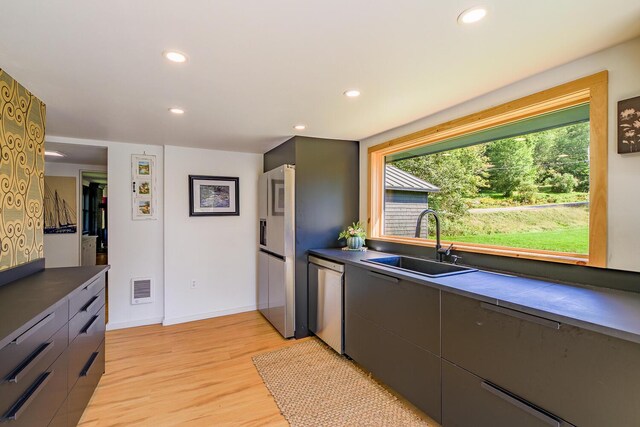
point(193, 374)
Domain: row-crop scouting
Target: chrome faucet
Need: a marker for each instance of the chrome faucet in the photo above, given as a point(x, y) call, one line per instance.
point(440, 253)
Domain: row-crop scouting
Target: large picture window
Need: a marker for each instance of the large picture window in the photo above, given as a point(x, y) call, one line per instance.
point(525, 179)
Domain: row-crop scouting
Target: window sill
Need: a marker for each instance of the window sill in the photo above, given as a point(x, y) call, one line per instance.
point(533, 254)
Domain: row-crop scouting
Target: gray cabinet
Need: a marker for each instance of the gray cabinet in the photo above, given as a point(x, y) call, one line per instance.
point(586, 378)
point(407, 309)
point(387, 335)
point(54, 361)
point(468, 400)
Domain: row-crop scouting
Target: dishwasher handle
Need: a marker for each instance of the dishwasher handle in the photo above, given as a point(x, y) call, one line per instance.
point(326, 264)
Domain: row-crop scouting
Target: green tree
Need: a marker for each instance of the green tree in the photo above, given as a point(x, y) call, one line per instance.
point(562, 150)
point(459, 174)
point(572, 148)
point(512, 165)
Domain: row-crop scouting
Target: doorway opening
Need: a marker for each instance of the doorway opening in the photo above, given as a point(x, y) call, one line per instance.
point(95, 235)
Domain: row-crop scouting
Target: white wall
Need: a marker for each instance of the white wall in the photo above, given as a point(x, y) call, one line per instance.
point(219, 253)
point(136, 248)
point(63, 250)
point(623, 63)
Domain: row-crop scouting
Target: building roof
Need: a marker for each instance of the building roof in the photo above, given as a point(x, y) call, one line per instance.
point(396, 179)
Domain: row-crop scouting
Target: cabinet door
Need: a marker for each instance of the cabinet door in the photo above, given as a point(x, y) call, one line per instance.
point(468, 401)
point(409, 370)
point(407, 309)
point(588, 379)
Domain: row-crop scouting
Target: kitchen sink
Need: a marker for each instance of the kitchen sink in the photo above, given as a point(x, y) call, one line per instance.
point(421, 266)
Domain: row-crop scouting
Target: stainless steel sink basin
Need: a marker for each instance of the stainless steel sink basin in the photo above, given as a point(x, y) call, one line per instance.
point(421, 266)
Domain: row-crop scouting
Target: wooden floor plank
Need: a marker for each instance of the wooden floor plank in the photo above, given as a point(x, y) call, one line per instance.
point(192, 374)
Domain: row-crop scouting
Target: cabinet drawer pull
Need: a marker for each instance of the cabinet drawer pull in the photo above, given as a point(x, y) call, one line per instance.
point(28, 397)
point(87, 328)
point(89, 364)
point(383, 277)
point(26, 334)
point(91, 303)
point(538, 413)
point(30, 362)
point(91, 285)
point(523, 316)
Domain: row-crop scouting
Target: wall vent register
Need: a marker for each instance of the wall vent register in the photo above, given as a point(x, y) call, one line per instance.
point(141, 291)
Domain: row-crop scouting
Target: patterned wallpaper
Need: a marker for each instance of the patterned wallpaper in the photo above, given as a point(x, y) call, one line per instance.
point(22, 121)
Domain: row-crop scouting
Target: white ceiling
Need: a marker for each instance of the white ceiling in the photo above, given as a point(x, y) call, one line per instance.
point(77, 154)
point(258, 67)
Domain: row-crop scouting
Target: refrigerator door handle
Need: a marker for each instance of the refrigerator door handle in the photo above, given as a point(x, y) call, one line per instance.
point(263, 232)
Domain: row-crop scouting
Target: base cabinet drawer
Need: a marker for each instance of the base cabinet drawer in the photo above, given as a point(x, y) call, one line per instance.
point(90, 309)
point(18, 381)
point(469, 401)
point(83, 295)
point(409, 370)
point(85, 386)
point(27, 342)
point(588, 379)
point(37, 406)
point(87, 341)
point(409, 310)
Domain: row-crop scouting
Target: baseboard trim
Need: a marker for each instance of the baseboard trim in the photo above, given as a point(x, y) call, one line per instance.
point(134, 323)
point(209, 315)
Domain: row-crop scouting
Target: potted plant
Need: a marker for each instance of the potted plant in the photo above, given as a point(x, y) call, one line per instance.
point(355, 235)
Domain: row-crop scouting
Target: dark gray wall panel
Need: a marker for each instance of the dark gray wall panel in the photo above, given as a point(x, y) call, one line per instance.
point(283, 154)
point(326, 200)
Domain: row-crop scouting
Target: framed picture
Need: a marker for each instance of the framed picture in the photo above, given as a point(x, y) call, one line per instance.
point(60, 205)
point(277, 197)
point(629, 126)
point(143, 184)
point(144, 208)
point(214, 195)
point(144, 167)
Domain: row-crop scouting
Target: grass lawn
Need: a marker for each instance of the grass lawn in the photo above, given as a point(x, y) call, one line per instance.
point(574, 240)
point(562, 229)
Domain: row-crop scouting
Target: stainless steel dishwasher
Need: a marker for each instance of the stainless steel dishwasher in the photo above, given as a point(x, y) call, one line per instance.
point(326, 297)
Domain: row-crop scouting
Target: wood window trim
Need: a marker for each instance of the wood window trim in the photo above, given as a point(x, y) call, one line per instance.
point(592, 89)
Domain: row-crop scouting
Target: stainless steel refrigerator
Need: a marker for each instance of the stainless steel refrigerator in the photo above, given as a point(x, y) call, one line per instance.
point(276, 249)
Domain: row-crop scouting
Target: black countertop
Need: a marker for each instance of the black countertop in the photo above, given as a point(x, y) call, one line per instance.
point(24, 300)
point(607, 311)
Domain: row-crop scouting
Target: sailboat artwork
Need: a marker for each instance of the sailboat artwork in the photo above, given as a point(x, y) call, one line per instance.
point(60, 205)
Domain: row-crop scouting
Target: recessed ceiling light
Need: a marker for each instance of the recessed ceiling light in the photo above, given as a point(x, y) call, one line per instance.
point(53, 153)
point(300, 127)
point(175, 56)
point(352, 93)
point(176, 110)
point(472, 15)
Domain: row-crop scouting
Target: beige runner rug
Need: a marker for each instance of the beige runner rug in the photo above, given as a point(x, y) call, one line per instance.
point(315, 386)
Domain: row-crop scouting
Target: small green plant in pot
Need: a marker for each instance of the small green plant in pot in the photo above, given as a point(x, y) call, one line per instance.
point(355, 235)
